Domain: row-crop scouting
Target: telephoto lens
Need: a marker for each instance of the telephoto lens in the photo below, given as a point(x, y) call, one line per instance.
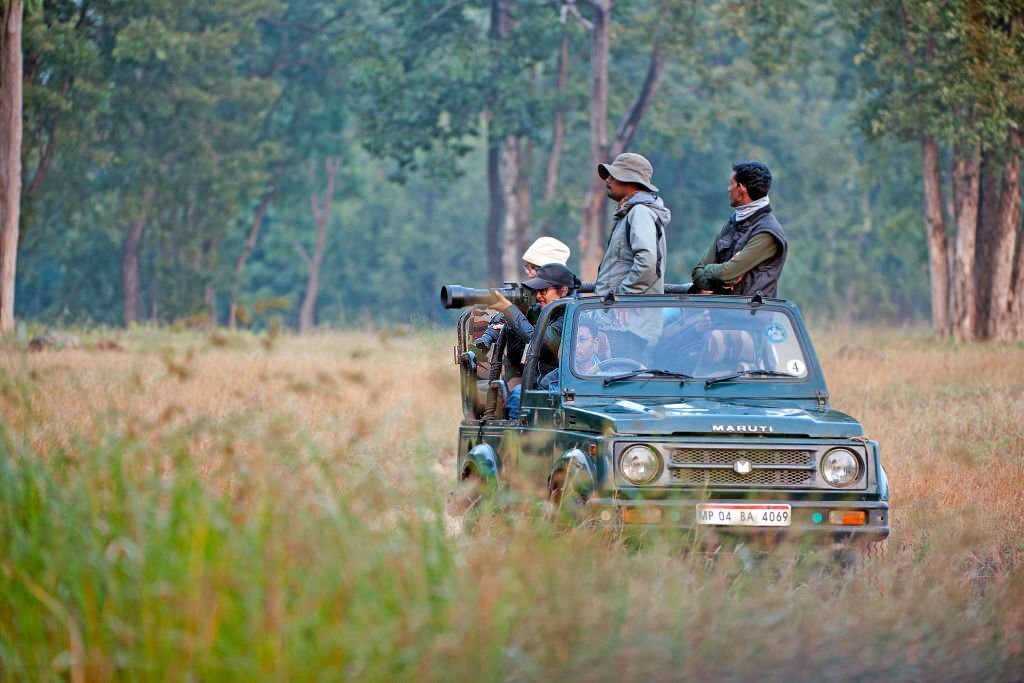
point(456, 296)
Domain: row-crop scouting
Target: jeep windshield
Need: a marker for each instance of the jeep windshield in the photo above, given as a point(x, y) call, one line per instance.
point(682, 340)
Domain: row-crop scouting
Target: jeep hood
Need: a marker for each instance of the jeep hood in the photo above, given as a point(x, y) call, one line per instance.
point(706, 417)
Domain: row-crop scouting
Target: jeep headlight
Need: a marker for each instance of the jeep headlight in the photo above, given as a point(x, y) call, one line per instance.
point(840, 467)
point(640, 464)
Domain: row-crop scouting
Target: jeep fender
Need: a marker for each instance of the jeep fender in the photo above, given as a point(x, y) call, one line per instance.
point(883, 479)
point(483, 461)
point(583, 470)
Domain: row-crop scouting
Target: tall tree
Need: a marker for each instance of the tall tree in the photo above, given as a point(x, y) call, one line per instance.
point(602, 149)
point(320, 208)
point(11, 73)
point(950, 75)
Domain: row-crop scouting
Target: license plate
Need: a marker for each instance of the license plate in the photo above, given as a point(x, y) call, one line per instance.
point(722, 514)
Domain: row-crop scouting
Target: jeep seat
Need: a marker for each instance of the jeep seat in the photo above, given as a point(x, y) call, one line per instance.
point(727, 351)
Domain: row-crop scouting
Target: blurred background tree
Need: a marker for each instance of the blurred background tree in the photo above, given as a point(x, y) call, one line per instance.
point(237, 161)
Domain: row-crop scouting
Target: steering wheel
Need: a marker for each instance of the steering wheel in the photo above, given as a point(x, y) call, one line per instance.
point(623, 364)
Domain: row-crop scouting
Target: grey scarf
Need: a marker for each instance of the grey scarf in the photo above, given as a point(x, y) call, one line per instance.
point(744, 212)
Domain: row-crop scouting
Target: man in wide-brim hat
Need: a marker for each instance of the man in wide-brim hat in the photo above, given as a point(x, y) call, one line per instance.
point(634, 260)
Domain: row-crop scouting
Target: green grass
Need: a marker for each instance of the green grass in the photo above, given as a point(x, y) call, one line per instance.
point(279, 543)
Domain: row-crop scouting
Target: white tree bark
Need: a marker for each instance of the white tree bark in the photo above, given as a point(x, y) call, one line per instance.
point(321, 210)
point(11, 72)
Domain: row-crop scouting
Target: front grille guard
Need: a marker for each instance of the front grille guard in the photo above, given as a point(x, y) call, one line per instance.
point(766, 467)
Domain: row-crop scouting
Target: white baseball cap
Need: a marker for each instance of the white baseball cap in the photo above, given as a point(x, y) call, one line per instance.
point(546, 250)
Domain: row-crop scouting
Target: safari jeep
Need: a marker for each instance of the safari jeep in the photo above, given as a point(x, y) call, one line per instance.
point(718, 421)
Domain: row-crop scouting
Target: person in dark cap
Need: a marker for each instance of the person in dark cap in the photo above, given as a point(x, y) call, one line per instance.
point(551, 283)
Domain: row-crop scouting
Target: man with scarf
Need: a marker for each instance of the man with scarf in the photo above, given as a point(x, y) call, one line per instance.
point(635, 256)
point(749, 252)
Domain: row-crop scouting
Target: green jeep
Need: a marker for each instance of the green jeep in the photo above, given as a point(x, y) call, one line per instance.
point(718, 421)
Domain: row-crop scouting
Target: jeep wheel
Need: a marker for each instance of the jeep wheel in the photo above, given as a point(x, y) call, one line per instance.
point(862, 560)
point(467, 495)
point(568, 502)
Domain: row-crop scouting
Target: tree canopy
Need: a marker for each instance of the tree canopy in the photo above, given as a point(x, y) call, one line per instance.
point(305, 162)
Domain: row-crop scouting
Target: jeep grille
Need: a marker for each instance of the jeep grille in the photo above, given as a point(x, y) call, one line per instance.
point(727, 456)
point(711, 477)
point(770, 467)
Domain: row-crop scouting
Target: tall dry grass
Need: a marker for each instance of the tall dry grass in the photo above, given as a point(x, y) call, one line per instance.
point(236, 508)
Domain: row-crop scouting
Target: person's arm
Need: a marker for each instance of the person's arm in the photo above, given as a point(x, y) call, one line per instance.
point(707, 259)
point(518, 324)
point(515, 319)
point(759, 249)
point(644, 272)
point(552, 337)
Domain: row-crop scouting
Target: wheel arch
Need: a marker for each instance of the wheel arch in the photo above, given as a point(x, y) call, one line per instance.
point(483, 461)
point(579, 464)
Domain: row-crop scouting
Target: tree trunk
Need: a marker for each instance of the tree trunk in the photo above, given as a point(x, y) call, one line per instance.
point(131, 245)
point(210, 288)
point(511, 160)
point(935, 226)
point(1015, 322)
point(558, 127)
point(11, 69)
point(592, 230)
point(1004, 323)
point(631, 121)
point(524, 201)
point(592, 227)
point(250, 243)
point(966, 181)
point(516, 156)
point(321, 210)
point(987, 243)
point(499, 156)
point(494, 214)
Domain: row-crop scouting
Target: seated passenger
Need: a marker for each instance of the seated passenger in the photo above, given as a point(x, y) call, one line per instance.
point(726, 352)
point(683, 338)
point(587, 344)
point(552, 282)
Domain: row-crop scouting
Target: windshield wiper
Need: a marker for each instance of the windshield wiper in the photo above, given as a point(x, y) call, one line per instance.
point(648, 371)
point(747, 373)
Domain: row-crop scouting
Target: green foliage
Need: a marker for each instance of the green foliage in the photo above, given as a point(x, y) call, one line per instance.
point(185, 115)
point(948, 70)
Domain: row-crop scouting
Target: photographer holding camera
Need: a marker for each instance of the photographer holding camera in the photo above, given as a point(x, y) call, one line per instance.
point(552, 282)
point(543, 251)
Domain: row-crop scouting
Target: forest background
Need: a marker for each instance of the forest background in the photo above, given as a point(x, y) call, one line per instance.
point(260, 163)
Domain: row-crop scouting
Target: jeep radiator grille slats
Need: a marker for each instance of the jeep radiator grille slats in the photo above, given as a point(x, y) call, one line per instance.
point(711, 477)
point(761, 467)
point(727, 456)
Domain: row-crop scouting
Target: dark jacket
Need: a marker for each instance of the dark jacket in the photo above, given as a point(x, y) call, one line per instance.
point(764, 277)
point(521, 329)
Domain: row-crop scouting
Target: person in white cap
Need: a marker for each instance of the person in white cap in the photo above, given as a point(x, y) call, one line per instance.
point(543, 251)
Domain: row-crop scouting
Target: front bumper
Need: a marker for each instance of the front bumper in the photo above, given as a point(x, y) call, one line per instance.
point(809, 518)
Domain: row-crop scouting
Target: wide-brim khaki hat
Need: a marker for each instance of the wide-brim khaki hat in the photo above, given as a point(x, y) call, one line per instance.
point(629, 168)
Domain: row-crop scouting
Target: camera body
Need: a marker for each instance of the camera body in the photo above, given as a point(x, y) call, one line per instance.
point(457, 296)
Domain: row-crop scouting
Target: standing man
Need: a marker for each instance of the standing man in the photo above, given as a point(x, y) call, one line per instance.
point(749, 252)
point(634, 259)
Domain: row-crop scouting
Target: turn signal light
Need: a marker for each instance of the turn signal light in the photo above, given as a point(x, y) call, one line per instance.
point(641, 516)
point(848, 517)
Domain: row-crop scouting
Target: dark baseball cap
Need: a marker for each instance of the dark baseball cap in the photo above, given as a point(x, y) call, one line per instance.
point(553, 275)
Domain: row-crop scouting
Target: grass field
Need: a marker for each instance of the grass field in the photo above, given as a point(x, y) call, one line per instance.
point(233, 507)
